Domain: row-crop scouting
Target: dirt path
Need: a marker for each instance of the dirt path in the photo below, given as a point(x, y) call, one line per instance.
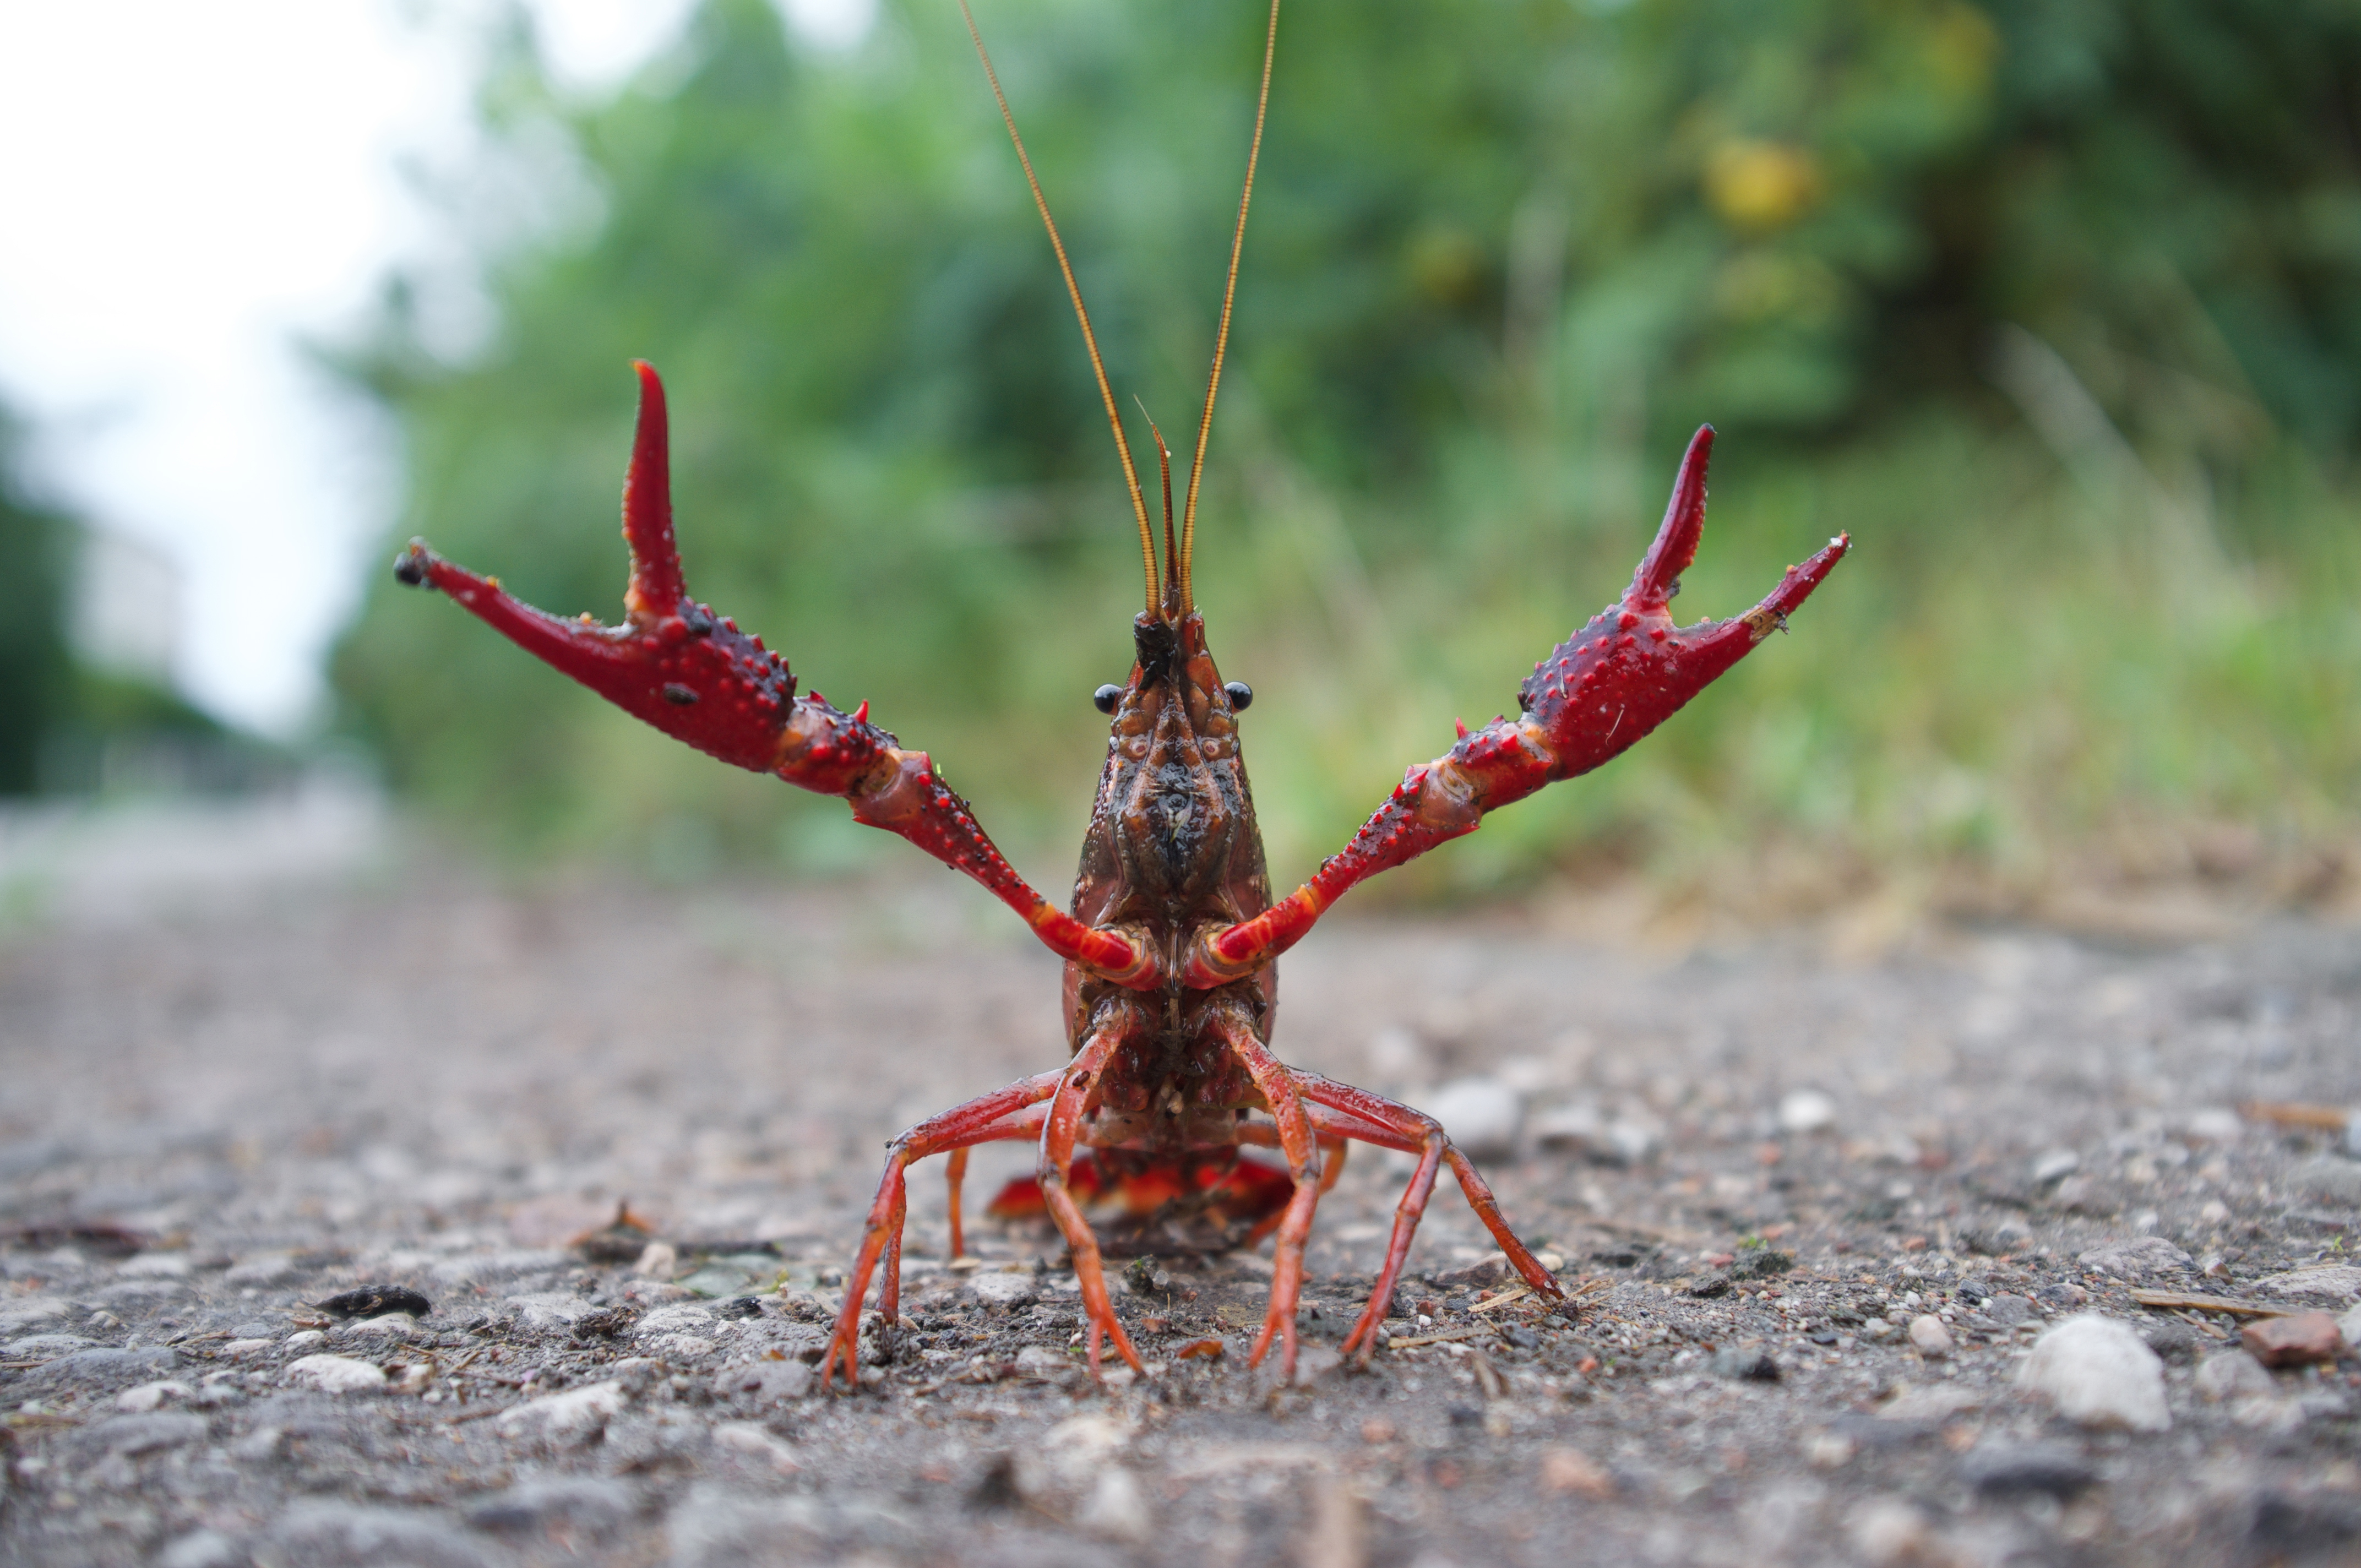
point(434, 1084)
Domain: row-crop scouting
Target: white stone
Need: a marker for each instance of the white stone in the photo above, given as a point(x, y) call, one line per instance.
point(32, 1345)
point(1080, 1446)
point(756, 1443)
point(658, 1260)
point(303, 1339)
point(201, 1549)
point(1887, 1530)
point(1482, 1115)
point(2349, 1325)
point(1041, 1361)
point(156, 1266)
point(386, 1325)
point(1117, 1508)
point(268, 1269)
point(2331, 1282)
point(23, 1313)
point(149, 1396)
point(335, 1374)
point(1931, 1402)
point(1003, 1289)
point(1933, 1340)
point(2136, 1258)
point(2055, 1164)
point(1807, 1110)
point(2329, 1180)
point(682, 1348)
point(2216, 1124)
point(2232, 1376)
point(246, 1346)
point(552, 1309)
point(577, 1413)
point(765, 1381)
point(2098, 1372)
point(681, 1317)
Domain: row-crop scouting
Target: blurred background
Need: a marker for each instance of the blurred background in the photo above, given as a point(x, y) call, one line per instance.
point(2054, 306)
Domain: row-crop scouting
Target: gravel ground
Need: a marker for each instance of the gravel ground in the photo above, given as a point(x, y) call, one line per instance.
point(1819, 1217)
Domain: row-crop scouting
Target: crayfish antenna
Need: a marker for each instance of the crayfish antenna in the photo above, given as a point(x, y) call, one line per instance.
point(1659, 576)
point(656, 588)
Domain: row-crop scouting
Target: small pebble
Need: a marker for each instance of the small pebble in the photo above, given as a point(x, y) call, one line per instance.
point(1117, 1508)
point(335, 1374)
point(2136, 1259)
point(2329, 1180)
point(1571, 1471)
point(2232, 1376)
point(578, 1414)
point(149, 1396)
point(1482, 1115)
point(2050, 1167)
point(2336, 1282)
point(2007, 1311)
point(2098, 1372)
point(2003, 1469)
point(1933, 1340)
point(2298, 1341)
point(1806, 1111)
point(1747, 1365)
point(1888, 1530)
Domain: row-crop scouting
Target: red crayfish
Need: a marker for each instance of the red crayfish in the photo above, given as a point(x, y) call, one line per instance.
point(1171, 939)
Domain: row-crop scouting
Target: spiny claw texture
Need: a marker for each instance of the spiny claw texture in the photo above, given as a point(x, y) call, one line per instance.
point(1599, 691)
point(696, 678)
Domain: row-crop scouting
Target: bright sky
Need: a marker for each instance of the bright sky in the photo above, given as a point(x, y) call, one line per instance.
point(189, 190)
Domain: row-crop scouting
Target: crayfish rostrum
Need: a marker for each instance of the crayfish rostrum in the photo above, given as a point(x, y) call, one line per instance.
point(1172, 938)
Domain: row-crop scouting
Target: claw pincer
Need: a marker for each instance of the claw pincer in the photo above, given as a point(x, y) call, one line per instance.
point(1621, 675)
point(696, 678)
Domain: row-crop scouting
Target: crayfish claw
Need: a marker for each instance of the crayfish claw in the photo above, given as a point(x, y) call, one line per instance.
point(1659, 576)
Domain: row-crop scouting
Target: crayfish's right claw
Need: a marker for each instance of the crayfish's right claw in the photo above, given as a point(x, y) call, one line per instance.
point(672, 662)
point(696, 678)
point(1619, 675)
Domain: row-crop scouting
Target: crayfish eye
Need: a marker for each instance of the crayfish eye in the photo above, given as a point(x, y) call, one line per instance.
point(1241, 695)
point(1106, 697)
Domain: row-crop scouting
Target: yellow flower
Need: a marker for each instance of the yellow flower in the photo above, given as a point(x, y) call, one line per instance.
point(1760, 185)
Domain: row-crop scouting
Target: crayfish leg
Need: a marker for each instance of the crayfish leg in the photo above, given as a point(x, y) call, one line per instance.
point(954, 1174)
point(1059, 1133)
point(1299, 1143)
point(1341, 1110)
point(993, 1118)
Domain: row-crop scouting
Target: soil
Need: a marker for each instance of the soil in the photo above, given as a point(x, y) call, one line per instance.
point(1763, 1172)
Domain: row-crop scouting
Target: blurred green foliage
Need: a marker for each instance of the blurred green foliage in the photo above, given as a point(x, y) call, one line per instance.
point(66, 726)
point(35, 668)
point(2056, 305)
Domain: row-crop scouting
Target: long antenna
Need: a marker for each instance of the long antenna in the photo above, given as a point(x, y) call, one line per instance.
point(1221, 338)
point(1171, 555)
point(1073, 291)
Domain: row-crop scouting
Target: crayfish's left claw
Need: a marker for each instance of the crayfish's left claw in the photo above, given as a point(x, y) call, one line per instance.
point(696, 678)
point(673, 663)
point(1618, 678)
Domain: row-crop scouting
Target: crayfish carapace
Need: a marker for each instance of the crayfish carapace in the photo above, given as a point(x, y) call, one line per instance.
point(1171, 937)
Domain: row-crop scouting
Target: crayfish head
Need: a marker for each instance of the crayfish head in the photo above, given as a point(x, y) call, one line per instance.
point(1173, 809)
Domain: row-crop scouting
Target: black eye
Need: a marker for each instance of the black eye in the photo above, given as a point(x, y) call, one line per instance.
point(1106, 697)
point(1241, 695)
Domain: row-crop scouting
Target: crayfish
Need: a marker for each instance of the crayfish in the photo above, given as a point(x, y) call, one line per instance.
point(1172, 937)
